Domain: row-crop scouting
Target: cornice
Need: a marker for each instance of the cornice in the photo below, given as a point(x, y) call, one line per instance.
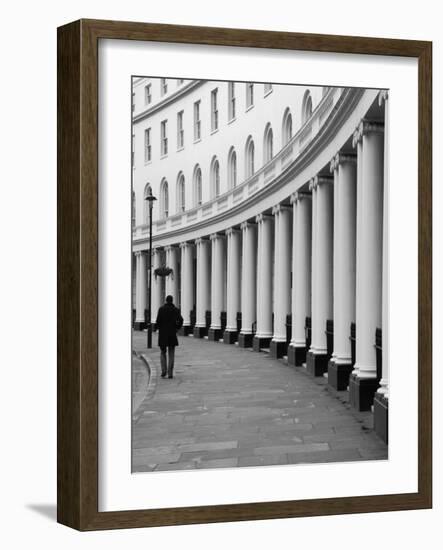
point(171, 98)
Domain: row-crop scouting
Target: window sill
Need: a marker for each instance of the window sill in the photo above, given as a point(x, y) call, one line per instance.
point(214, 131)
point(249, 108)
point(232, 120)
point(268, 92)
point(197, 140)
point(164, 156)
point(180, 149)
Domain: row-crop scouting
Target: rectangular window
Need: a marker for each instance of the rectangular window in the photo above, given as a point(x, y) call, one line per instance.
point(231, 105)
point(180, 81)
point(180, 131)
point(268, 88)
point(197, 121)
point(164, 137)
point(148, 152)
point(214, 110)
point(249, 95)
point(163, 86)
point(148, 94)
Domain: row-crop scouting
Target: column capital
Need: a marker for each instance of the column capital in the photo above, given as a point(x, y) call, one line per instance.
point(215, 236)
point(365, 127)
point(185, 244)
point(383, 96)
point(170, 247)
point(279, 208)
point(299, 195)
point(138, 253)
point(245, 225)
point(201, 240)
point(342, 158)
point(262, 217)
point(320, 180)
point(232, 231)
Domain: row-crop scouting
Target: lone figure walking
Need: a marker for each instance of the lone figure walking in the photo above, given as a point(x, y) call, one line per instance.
point(169, 321)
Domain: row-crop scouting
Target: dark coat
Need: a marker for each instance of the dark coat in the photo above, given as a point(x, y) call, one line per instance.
point(169, 321)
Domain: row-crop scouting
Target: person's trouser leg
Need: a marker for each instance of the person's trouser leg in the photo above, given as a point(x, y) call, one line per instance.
point(163, 359)
point(171, 354)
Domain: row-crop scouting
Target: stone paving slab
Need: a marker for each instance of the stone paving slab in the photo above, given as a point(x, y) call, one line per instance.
point(229, 407)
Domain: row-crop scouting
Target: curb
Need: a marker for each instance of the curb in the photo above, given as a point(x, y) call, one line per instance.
point(150, 387)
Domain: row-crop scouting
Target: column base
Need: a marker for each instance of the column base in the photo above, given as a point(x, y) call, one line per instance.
point(338, 375)
point(245, 340)
point(185, 330)
point(200, 332)
point(296, 356)
point(215, 334)
point(277, 349)
point(259, 343)
point(361, 392)
point(316, 363)
point(139, 325)
point(230, 336)
point(381, 415)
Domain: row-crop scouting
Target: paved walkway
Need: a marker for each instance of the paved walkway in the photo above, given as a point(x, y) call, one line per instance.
point(228, 407)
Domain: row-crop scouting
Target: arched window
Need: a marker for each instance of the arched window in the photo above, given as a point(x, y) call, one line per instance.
point(232, 168)
point(306, 109)
point(249, 157)
point(287, 127)
point(180, 193)
point(215, 177)
point(164, 199)
point(268, 143)
point(197, 184)
point(146, 192)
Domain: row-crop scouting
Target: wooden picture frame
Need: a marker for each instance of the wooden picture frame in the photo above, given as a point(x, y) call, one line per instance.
point(77, 455)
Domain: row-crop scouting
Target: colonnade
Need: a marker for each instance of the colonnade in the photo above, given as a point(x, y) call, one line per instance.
point(294, 278)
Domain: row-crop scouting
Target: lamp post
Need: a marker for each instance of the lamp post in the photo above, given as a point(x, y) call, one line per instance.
point(150, 198)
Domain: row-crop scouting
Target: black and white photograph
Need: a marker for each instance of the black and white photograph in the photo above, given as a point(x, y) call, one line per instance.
point(259, 269)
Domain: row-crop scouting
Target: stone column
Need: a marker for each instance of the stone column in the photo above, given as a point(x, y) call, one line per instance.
point(157, 284)
point(263, 335)
point(301, 275)
point(218, 268)
point(345, 186)
point(140, 290)
point(282, 279)
point(203, 287)
point(363, 380)
point(317, 357)
point(233, 285)
point(172, 280)
point(248, 283)
point(381, 399)
point(187, 286)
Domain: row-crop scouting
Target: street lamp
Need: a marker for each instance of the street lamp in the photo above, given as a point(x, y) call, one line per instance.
point(150, 198)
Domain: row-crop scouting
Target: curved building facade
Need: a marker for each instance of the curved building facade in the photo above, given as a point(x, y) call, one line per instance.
point(269, 216)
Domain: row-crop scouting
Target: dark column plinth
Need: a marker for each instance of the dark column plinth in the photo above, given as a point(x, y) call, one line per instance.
point(260, 343)
point(338, 375)
point(296, 356)
point(277, 349)
point(200, 332)
point(316, 364)
point(361, 392)
point(245, 340)
point(381, 415)
point(139, 325)
point(185, 330)
point(215, 334)
point(230, 336)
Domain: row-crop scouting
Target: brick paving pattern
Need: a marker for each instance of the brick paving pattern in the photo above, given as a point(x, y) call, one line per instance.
point(230, 407)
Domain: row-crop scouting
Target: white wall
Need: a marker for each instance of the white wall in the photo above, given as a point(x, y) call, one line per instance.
point(28, 217)
point(267, 108)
